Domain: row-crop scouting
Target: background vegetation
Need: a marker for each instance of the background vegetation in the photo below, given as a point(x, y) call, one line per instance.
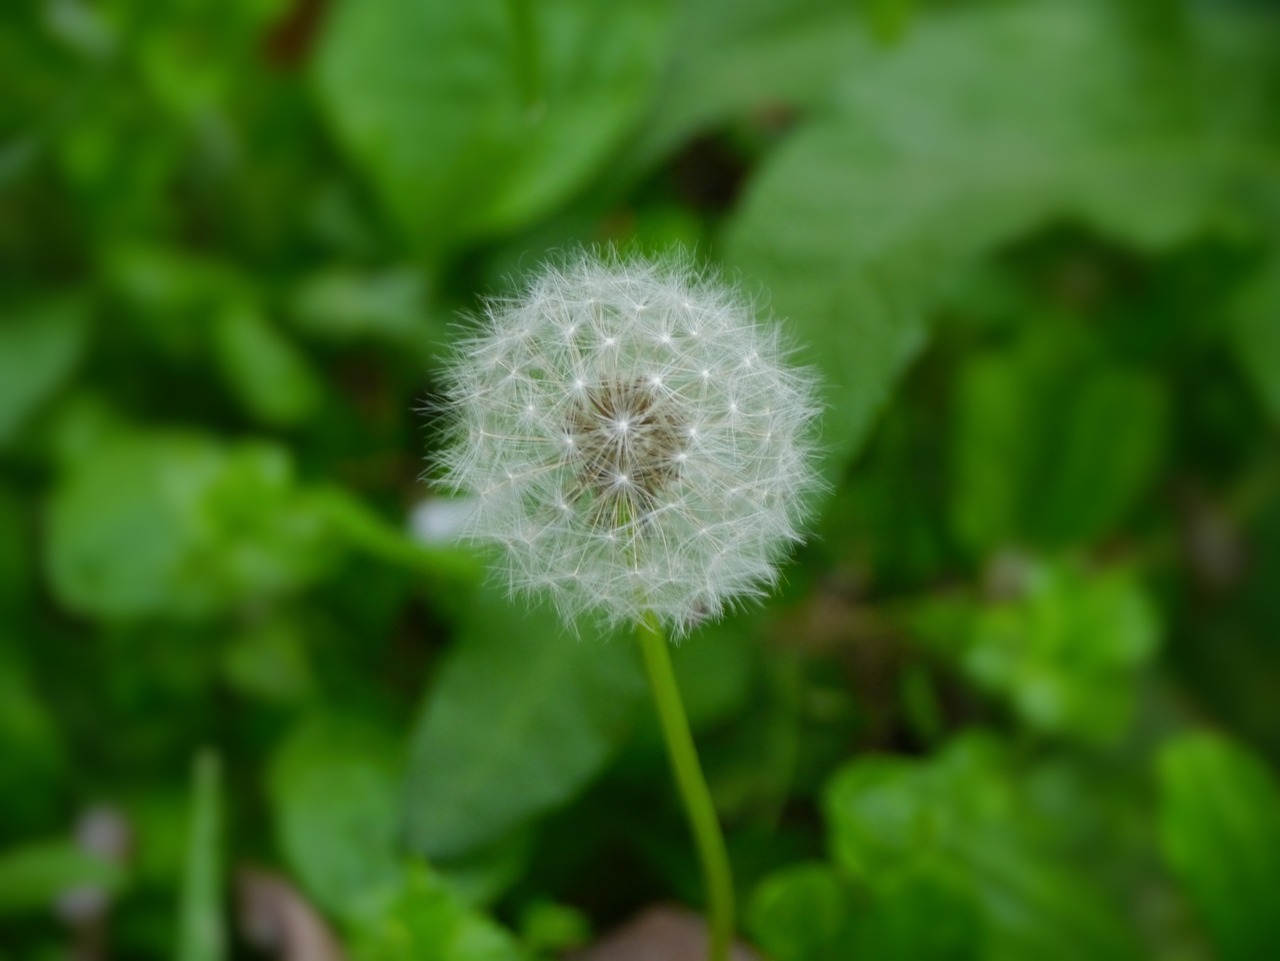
point(1019, 696)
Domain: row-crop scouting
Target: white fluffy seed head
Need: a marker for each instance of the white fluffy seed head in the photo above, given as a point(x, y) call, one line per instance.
point(634, 438)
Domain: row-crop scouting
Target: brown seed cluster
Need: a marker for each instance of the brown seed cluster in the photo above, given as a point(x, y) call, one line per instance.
point(625, 441)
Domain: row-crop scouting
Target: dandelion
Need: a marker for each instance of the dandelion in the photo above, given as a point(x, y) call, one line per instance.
point(634, 438)
point(636, 441)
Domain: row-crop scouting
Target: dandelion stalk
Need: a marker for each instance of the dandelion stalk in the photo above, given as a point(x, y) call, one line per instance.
point(692, 785)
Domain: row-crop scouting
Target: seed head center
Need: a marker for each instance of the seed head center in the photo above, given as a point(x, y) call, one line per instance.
point(626, 438)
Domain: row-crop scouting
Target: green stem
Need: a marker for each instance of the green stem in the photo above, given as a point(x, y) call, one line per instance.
point(692, 784)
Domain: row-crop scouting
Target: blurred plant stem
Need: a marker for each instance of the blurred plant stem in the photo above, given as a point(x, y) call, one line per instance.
point(692, 784)
point(200, 933)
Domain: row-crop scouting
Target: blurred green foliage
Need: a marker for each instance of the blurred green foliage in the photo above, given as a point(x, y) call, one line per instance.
point(1017, 697)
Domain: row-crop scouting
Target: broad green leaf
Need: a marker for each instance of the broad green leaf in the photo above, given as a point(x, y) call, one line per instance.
point(474, 119)
point(171, 523)
point(735, 58)
point(1220, 832)
point(715, 668)
point(888, 19)
point(335, 789)
point(201, 935)
point(425, 921)
point(1051, 445)
point(962, 814)
point(39, 346)
point(269, 375)
point(521, 718)
point(33, 875)
point(979, 127)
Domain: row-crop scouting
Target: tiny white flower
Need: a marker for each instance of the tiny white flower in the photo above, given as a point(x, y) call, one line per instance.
point(634, 438)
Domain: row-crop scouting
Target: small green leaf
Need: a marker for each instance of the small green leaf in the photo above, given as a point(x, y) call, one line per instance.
point(521, 718)
point(1064, 652)
point(813, 912)
point(178, 524)
point(962, 819)
point(1220, 833)
point(269, 661)
point(201, 936)
point(547, 927)
point(170, 295)
point(39, 346)
point(342, 304)
point(805, 912)
point(923, 915)
point(335, 788)
point(425, 920)
point(269, 375)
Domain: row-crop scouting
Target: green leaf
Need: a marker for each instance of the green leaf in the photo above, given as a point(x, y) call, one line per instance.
point(269, 375)
point(1219, 822)
point(343, 304)
point(812, 912)
point(962, 818)
point(269, 660)
point(520, 719)
point(1052, 446)
point(547, 928)
point(888, 19)
point(733, 58)
point(178, 524)
point(335, 788)
point(29, 738)
point(425, 921)
point(1256, 336)
point(1065, 652)
point(169, 294)
point(34, 875)
point(201, 936)
point(980, 127)
point(804, 913)
point(39, 346)
point(474, 119)
point(15, 554)
point(715, 669)
point(923, 915)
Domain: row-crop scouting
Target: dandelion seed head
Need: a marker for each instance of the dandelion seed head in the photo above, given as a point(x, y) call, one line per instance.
point(640, 440)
